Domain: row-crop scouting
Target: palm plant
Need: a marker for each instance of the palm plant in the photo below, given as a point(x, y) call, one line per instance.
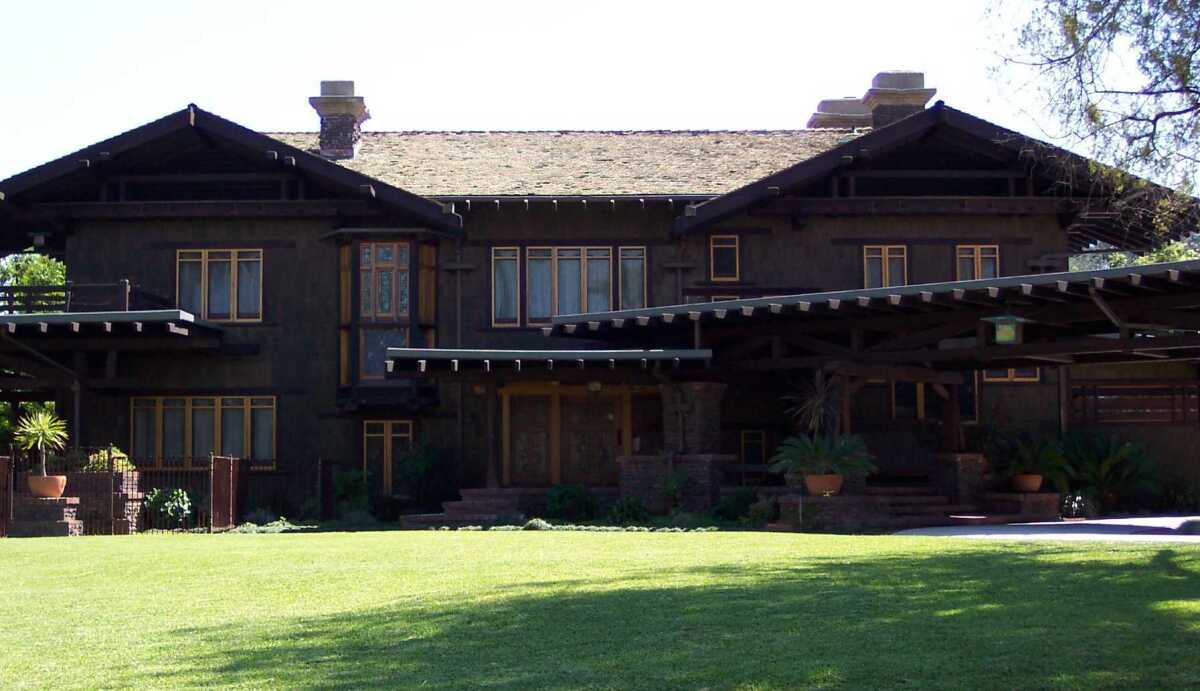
point(1105, 467)
point(823, 454)
point(1039, 455)
point(814, 405)
point(44, 431)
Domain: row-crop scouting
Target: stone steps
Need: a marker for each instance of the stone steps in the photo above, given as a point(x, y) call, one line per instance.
point(899, 490)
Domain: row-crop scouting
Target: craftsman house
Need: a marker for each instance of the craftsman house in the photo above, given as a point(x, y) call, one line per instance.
point(546, 304)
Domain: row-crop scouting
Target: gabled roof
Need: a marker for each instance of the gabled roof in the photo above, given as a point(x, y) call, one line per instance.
point(426, 210)
point(1076, 169)
point(578, 163)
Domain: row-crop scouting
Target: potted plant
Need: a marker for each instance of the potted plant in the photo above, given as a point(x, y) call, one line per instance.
point(822, 462)
point(1035, 460)
point(43, 431)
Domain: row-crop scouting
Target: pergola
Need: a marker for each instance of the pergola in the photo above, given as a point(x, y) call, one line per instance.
point(930, 333)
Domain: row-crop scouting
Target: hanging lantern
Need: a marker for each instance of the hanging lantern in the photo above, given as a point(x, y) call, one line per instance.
point(1007, 329)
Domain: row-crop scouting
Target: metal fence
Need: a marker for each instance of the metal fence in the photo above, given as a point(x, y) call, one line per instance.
point(111, 494)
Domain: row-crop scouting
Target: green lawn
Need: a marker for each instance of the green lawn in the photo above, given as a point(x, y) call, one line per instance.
point(601, 610)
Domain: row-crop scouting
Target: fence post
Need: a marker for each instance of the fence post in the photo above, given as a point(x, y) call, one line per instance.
point(108, 463)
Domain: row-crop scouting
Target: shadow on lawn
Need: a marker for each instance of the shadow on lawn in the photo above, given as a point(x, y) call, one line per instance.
point(956, 620)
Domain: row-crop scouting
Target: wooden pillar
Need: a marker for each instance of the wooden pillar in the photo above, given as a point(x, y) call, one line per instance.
point(953, 441)
point(555, 436)
point(491, 400)
point(847, 394)
point(1064, 400)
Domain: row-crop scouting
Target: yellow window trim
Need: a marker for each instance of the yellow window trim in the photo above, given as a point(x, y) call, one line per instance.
point(492, 288)
point(975, 254)
point(724, 242)
point(387, 430)
point(201, 256)
point(1012, 376)
point(248, 404)
point(373, 269)
point(885, 252)
point(645, 274)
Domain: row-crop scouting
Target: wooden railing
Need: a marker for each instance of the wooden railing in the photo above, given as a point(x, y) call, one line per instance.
point(121, 296)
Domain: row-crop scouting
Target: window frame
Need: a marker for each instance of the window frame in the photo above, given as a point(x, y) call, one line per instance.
point(620, 266)
point(363, 329)
point(235, 259)
point(387, 434)
point(975, 254)
point(518, 291)
point(585, 260)
point(393, 315)
point(714, 243)
point(885, 254)
point(247, 407)
point(1011, 377)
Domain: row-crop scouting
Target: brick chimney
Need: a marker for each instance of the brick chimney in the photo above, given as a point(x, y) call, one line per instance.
point(342, 115)
point(841, 113)
point(896, 95)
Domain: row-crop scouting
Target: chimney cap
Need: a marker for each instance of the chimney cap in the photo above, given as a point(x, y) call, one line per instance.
point(337, 88)
point(841, 113)
point(898, 79)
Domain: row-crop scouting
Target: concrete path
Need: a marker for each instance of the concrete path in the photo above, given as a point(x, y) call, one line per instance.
point(1144, 529)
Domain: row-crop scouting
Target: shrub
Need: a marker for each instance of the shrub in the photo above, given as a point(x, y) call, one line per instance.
point(260, 517)
point(350, 491)
point(762, 512)
point(280, 525)
point(537, 524)
point(570, 502)
point(386, 508)
point(628, 510)
point(427, 474)
point(168, 507)
point(98, 461)
point(732, 507)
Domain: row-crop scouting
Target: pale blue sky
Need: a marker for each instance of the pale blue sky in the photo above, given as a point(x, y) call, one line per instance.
point(77, 72)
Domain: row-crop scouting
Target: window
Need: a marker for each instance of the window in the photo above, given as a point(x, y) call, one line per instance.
point(506, 276)
point(923, 401)
point(724, 262)
point(885, 266)
point(383, 280)
point(977, 261)
point(567, 280)
point(383, 440)
point(633, 278)
point(373, 344)
point(753, 448)
point(221, 285)
point(169, 432)
point(1013, 374)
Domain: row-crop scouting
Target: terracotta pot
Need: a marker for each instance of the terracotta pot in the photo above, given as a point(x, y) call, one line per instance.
point(1027, 482)
point(823, 485)
point(47, 486)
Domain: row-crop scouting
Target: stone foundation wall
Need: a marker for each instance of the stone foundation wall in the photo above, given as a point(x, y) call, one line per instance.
point(96, 502)
point(960, 476)
point(645, 478)
point(838, 514)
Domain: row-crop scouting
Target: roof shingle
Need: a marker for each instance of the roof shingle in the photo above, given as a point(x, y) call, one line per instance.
point(563, 163)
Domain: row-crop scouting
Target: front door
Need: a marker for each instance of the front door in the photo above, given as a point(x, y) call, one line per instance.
point(591, 439)
point(530, 455)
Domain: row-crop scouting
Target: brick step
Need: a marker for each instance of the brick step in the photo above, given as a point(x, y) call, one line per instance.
point(498, 492)
point(913, 499)
point(480, 506)
point(899, 490)
point(942, 510)
point(438, 520)
point(19, 528)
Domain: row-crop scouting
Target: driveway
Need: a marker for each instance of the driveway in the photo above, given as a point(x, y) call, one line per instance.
point(1143, 529)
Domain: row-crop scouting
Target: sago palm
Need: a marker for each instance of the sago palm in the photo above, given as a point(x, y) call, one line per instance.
point(43, 431)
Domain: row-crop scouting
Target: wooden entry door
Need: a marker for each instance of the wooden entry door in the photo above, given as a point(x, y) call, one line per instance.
point(591, 438)
point(529, 441)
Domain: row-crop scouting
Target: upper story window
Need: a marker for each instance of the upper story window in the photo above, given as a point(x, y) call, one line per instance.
point(506, 291)
point(383, 280)
point(724, 261)
point(221, 284)
point(885, 266)
point(565, 280)
point(977, 261)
